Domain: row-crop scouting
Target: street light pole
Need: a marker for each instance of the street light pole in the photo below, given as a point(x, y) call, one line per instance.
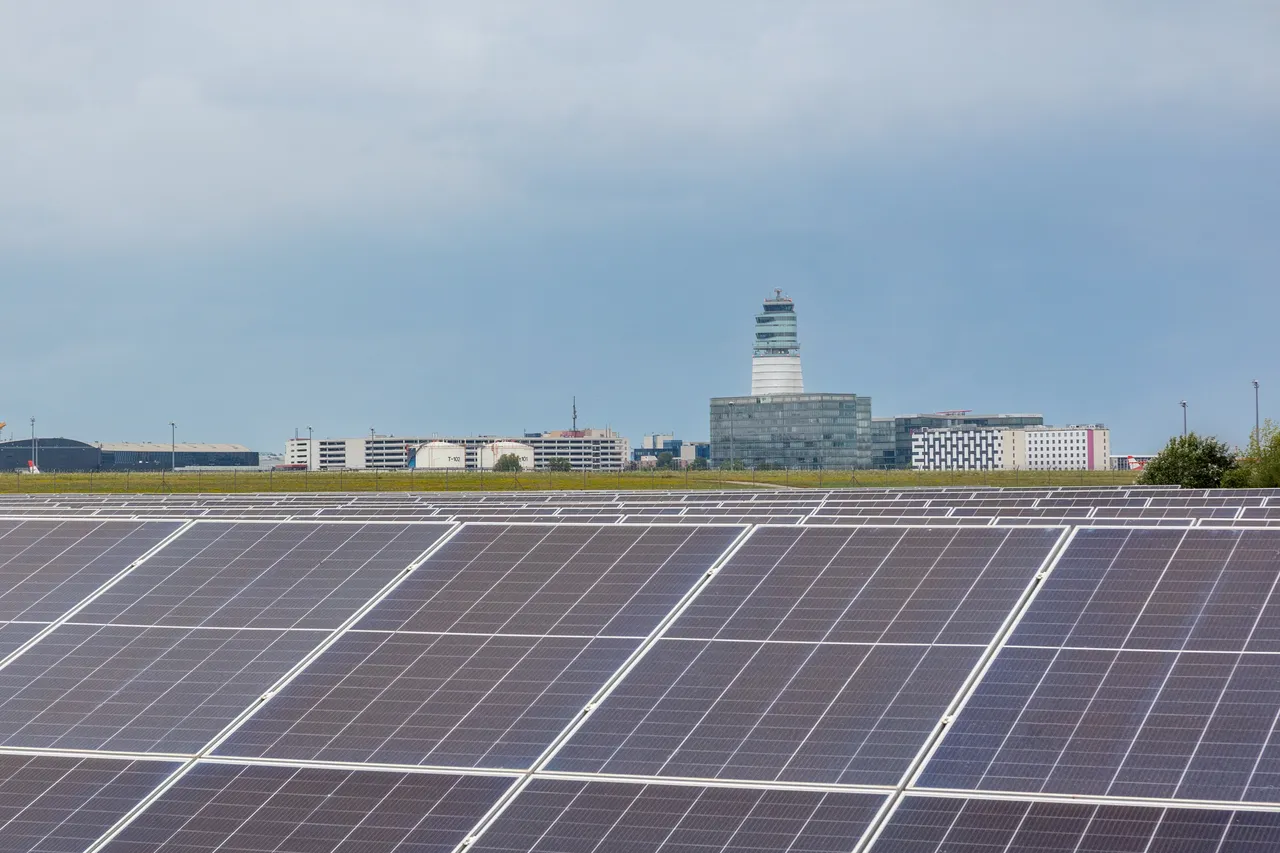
point(173, 446)
point(35, 457)
point(1257, 423)
point(309, 446)
point(1184, 418)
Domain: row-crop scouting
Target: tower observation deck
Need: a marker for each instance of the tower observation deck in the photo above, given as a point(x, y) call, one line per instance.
point(775, 359)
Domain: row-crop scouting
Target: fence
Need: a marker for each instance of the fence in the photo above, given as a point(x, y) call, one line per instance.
point(205, 481)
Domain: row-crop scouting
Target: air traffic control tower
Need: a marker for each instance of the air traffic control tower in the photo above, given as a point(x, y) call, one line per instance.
point(775, 360)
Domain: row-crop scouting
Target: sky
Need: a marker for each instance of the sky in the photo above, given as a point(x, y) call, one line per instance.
point(452, 218)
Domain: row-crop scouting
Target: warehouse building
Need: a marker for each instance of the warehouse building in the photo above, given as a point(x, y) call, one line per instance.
point(67, 454)
point(49, 454)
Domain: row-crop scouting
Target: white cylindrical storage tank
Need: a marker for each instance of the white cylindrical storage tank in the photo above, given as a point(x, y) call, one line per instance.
point(491, 453)
point(439, 455)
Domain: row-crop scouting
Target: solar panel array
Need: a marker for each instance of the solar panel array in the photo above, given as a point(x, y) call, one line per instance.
point(839, 670)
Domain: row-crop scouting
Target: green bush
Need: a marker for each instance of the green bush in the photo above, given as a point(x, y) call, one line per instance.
point(1190, 461)
point(508, 462)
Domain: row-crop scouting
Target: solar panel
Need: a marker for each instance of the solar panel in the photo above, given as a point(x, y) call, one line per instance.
point(130, 689)
point(55, 804)
point(1144, 668)
point(14, 634)
point(229, 807)
point(816, 655)
point(553, 816)
point(432, 699)
point(48, 567)
point(552, 579)
point(1202, 590)
point(947, 825)
point(792, 712)
point(253, 575)
point(879, 585)
point(911, 520)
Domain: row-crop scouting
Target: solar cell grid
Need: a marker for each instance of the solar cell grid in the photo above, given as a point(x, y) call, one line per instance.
point(1202, 589)
point(1215, 500)
point(48, 567)
point(139, 689)
point(14, 634)
point(553, 816)
point(714, 519)
point(945, 825)
point(253, 575)
point(1144, 668)
point(51, 804)
point(972, 512)
point(442, 700)
point(1241, 523)
point(1132, 522)
point(877, 521)
point(765, 684)
point(915, 585)
point(225, 807)
point(553, 579)
point(798, 712)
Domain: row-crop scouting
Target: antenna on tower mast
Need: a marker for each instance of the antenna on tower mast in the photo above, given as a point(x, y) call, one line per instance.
point(575, 412)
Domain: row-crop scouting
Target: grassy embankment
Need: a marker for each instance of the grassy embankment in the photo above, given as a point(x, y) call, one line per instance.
point(405, 481)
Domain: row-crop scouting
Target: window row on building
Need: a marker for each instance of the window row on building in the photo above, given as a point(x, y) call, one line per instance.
point(1028, 448)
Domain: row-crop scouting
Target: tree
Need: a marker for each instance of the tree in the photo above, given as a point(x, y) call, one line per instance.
point(1259, 463)
point(666, 460)
point(559, 463)
point(508, 462)
point(699, 463)
point(733, 465)
point(1190, 461)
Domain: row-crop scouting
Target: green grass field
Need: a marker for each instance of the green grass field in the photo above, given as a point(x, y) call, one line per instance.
point(421, 481)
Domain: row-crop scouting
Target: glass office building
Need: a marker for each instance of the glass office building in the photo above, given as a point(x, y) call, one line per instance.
point(792, 431)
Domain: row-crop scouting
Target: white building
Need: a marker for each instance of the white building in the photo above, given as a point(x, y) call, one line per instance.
point(1084, 447)
point(1032, 448)
point(959, 449)
point(586, 450)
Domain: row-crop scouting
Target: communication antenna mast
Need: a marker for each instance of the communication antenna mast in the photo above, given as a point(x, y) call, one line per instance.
point(575, 412)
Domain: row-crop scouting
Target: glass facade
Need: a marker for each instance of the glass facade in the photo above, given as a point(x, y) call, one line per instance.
point(884, 452)
point(776, 332)
point(792, 431)
point(161, 459)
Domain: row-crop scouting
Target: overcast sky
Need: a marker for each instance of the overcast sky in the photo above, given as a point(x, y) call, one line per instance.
point(248, 217)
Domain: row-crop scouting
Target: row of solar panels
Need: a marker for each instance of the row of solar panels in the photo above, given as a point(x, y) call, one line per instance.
point(952, 516)
point(1120, 496)
point(1244, 508)
point(369, 686)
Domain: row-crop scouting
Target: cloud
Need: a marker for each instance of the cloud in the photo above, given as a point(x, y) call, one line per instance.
point(142, 121)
